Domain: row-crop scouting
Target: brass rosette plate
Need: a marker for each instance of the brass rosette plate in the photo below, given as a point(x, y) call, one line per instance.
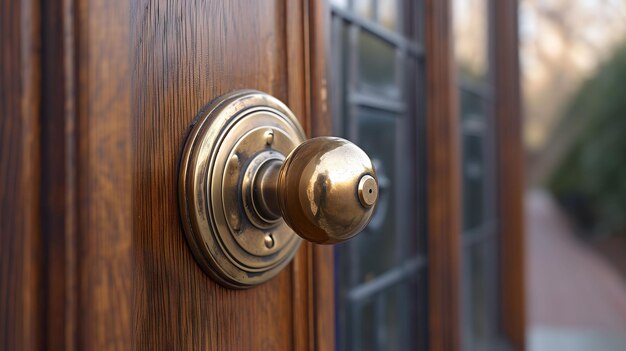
point(237, 133)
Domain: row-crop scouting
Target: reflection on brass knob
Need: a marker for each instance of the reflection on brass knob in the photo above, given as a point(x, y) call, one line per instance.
point(319, 186)
point(251, 186)
point(325, 190)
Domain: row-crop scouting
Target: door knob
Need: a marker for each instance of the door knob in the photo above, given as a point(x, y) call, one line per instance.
point(325, 190)
point(251, 186)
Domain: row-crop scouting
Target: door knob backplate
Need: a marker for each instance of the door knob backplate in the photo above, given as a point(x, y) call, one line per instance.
point(236, 131)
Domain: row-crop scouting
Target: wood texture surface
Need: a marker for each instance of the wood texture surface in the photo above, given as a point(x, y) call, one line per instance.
point(59, 167)
point(316, 29)
point(185, 54)
point(105, 274)
point(21, 294)
point(443, 180)
point(510, 170)
point(123, 83)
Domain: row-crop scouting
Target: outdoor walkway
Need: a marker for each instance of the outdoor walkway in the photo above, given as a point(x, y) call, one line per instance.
point(576, 300)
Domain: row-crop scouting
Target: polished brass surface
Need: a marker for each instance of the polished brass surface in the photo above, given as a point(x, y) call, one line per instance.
point(318, 190)
point(248, 180)
point(368, 191)
point(255, 187)
point(265, 197)
point(223, 147)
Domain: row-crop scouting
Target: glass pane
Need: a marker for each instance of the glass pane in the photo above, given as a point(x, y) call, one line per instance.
point(405, 316)
point(472, 106)
point(418, 296)
point(388, 13)
point(340, 44)
point(367, 338)
point(471, 27)
point(417, 29)
point(479, 271)
point(481, 299)
point(364, 8)
point(393, 319)
point(376, 129)
point(377, 64)
point(380, 277)
point(473, 129)
point(390, 331)
point(473, 187)
point(478, 291)
point(339, 3)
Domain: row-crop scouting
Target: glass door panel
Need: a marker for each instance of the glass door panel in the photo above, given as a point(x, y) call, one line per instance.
point(377, 88)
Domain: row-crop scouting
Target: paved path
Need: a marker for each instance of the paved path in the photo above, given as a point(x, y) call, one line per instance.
point(574, 296)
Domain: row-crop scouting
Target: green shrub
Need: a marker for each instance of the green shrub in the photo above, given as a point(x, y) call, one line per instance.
point(590, 182)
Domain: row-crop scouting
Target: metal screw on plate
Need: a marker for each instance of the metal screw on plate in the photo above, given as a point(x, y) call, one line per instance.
point(269, 137)
point(234, 159)
point(269, 241)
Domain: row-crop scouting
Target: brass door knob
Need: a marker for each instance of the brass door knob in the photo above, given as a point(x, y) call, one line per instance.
point(251, 186)
point(325, 190)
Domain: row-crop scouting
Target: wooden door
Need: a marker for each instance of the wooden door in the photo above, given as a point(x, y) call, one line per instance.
point(97, 99)
point(122, 83)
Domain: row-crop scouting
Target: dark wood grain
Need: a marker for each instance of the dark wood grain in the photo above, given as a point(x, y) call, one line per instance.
point(443, 180)
point(21, 251)
point(184, 55)
point(122, 84)
point(104, 251)
point(510, 170)
point(58, 164)
point(302, 266)
point(317, 53)
point(323, 279)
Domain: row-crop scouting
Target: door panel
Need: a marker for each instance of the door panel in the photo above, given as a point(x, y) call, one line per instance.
point(20, 243)
point(144, 71)
point(485, 42)
point(378, 99)
point(185, 56)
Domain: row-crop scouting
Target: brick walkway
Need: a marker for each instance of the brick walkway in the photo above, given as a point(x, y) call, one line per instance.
point(570, 287)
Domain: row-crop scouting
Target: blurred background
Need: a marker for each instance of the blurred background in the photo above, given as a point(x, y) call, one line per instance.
point(573, 64)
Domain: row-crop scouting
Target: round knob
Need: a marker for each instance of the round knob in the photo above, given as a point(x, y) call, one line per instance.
point(325, 190)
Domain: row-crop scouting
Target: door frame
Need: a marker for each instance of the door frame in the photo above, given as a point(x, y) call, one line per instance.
point(443, 175)
point(509, 170)
point(443, 164)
